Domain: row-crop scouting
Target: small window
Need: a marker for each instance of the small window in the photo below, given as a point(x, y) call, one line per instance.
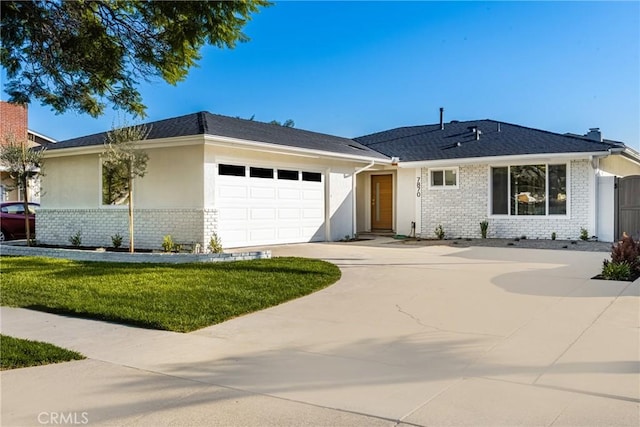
point(260, 173)
point(231, 170)
point(312, 176)
point(443, 178)
point(288, 175)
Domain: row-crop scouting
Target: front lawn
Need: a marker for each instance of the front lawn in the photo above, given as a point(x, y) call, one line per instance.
point(19, 353)
point(180, 297)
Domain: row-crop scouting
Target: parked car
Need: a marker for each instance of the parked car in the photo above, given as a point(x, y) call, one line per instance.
point(12, 220)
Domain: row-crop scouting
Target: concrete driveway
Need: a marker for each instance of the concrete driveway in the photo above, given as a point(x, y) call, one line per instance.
point(412, 335)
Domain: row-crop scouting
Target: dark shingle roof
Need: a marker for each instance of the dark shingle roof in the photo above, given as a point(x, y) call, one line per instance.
point(457, 140)
point(205, 123)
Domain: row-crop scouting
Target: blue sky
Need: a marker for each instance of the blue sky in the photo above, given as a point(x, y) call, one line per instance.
point(354, 68)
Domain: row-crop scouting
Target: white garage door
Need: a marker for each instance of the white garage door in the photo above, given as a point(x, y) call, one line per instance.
point(260, 206)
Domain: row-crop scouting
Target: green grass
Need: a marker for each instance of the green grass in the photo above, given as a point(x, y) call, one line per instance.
point(19, 353)
point(182, 297)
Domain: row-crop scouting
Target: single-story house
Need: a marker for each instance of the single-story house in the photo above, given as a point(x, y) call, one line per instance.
point(256, 183)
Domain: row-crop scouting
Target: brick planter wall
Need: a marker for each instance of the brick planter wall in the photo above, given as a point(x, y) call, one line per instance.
point(9, 248)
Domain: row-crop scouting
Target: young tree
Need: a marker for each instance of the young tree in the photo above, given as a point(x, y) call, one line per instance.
point(74, 55)
point(122, 162)
point(23, 164)
point(287, 123)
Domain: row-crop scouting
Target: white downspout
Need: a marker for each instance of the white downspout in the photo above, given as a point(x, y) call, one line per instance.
point(353, 197)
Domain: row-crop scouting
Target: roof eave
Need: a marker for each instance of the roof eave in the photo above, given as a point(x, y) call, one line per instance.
point(177, 141)
point(503, 159)
point(291, 150)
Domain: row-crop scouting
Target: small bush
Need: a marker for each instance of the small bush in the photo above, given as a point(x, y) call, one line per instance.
point(440, 232)
point(167, 243)
point(116, 240)
point(616, 271)
point(76, 239)
point(484, 226)
point(553, 236)
point(584, 234)
point(627, 251)
point(215, 244)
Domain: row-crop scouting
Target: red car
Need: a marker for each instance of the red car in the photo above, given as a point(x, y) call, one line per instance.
point(12, 220)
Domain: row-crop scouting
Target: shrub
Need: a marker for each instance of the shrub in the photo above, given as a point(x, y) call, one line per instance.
point(484, 226)
point(116, 240)
point(584, 234)
point(627, 251)
point(553, 236)
point(215, 244)
point(616, 271)
point(76, 239)
point(440, 232)
point(167, 243)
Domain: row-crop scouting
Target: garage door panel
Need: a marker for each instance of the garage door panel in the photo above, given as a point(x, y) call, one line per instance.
point(262, 193)
point(288, 194)
point(311, 214)
point(262, 214)
point(233, 192)
point(288, 214)
point(312, 195)
point(232, 214)
point(285, 233)
point(262, 235)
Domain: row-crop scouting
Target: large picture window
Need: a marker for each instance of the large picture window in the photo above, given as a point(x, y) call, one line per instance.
point(521, 190)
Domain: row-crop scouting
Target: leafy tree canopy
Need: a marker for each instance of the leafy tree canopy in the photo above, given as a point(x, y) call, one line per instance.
point(77, 55)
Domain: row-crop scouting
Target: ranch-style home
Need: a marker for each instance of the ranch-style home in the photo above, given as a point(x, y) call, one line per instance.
point(256, 183)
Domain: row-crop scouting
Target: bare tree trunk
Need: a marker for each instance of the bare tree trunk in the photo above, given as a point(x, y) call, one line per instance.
point(25, 190)
point(130, 191)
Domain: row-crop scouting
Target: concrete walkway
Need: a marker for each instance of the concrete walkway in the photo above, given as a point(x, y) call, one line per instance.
point(410, 335)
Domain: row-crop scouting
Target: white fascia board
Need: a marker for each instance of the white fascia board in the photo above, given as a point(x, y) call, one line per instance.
point(544, 157)
point(177, 141)
point(631, 155)
point(285, 149)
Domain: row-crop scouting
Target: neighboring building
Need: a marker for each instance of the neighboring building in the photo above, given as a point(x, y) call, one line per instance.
point(14, 123)
point(256, 183)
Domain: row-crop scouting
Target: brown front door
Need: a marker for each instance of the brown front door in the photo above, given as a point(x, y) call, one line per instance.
point(381, 202)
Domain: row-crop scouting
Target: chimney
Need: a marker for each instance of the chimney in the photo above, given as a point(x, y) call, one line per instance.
point(441, 118)
point(594, 134)
point(13, 120)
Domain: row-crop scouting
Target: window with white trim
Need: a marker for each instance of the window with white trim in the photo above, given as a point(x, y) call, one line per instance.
point(443, 178)
point(521, 190)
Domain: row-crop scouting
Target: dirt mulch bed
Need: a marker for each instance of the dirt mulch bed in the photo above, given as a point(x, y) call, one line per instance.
point(570, 245)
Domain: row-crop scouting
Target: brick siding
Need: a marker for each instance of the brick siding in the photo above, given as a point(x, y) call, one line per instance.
point(461, 210)
point(55, 226)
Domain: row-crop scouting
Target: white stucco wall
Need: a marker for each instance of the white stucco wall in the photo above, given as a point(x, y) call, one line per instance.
point(619, 166)
point(174, 178)
point(406, 196)
point(71, 182)
point(606, 208)
point(461, 210)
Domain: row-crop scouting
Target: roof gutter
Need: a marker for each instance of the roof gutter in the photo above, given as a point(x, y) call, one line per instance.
point(503, 159)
